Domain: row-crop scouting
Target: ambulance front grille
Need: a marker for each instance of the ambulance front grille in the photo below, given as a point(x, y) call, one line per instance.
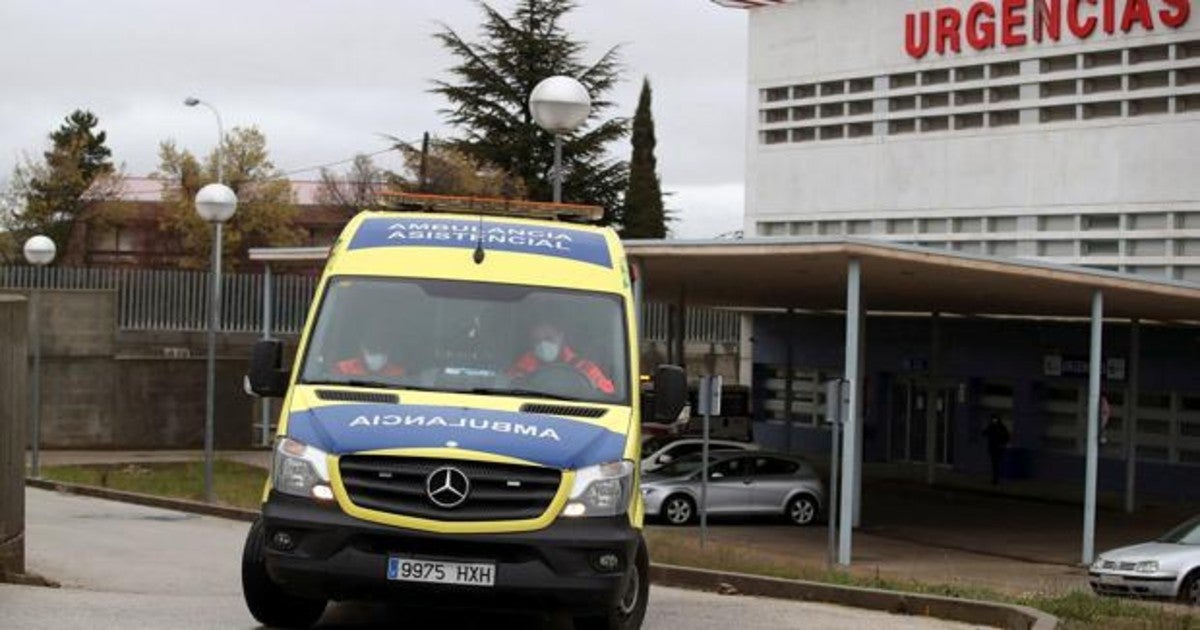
point(498, 492)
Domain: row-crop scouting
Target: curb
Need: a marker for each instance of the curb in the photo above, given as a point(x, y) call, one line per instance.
point(993, 614)
point(969, 611)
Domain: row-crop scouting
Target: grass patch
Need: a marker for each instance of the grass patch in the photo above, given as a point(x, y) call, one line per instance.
point(234, 483)
point(1077, 609)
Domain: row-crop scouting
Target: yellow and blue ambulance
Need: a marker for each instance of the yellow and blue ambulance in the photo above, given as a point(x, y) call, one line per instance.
point(460, 425)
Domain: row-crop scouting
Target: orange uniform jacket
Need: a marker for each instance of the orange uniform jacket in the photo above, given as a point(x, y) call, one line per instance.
point(529, 363)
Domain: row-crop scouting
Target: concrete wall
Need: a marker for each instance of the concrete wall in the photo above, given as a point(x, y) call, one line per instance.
point(14, 397)
point(107, 389)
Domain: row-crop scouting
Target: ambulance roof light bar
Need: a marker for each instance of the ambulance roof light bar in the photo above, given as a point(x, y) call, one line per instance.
point(492, 206)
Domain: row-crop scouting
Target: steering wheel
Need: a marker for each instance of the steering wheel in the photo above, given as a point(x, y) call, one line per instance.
point(559, 378)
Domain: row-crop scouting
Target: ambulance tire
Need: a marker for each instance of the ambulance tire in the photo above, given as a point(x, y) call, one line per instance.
point(631, 608)
point(268, 603)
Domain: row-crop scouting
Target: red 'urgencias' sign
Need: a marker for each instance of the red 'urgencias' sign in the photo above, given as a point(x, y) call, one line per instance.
point(1013, 23)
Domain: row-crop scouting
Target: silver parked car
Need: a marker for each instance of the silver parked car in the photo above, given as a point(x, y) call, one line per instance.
point(739, 482)
point(1167, 567)
point(667, 451)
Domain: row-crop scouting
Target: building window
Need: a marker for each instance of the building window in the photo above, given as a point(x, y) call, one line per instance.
point(1149, 80)
point(858, 227)
point(1188, 76)
point(772, 116)
point(804, 134)
point(1149, 106)
point(935, 123)
point(968, 225)
point(1111, 109)
point(775, 94)
point(1003, 94)
point(833, 110)
point(802, 228)
point(931, 101)
point(1187, 220)
point(1058, 64)
point(1006, 69)
point(1100, 248)
point(1002, 224)
point(1004, 118)
point(1056, 249)
point(1054, 89)
point(1102, 222)
point(1147, 248)
point(969, 97)
point(807, 112)
point(1153, 271)
point(1156, 221)
point(900, 226)
point(1149, 54)
point(774, 228)
point(831, 88)
point(1102, 84)
point(907, 125)
point(861, 108)
point(1002, 248)
point(969, 73)
point(860, 130)
point(902, 103)
point(1187, 247)
point(933, 226)
point(935, 77)
point(830, 228)
point(1103, 58)
point(1058, 113)
point(775, 136)
point(968, 121)
point(1056, 223)
point(861, 85)
point(801, 92)
point(832, 132)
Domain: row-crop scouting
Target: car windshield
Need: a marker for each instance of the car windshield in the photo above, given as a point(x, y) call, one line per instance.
point(681, 467)
point(484, 338)
point(1186, 534)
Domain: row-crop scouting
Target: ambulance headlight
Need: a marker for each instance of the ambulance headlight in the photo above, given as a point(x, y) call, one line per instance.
point(601, 490)
point(300, 470)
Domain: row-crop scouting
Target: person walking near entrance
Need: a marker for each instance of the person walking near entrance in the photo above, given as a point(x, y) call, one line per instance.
point(997, 439)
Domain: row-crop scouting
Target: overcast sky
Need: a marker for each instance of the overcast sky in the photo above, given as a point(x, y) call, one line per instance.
point(324, 78)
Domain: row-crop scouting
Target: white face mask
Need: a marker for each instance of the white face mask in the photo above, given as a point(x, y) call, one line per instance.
point(546, 350)
point(374, 360)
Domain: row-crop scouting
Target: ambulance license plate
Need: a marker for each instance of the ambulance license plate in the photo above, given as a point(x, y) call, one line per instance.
point(437, 572)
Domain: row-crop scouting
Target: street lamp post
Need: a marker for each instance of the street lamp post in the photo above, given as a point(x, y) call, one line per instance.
point(215, 203)
point(39, 251)
point(192, 101)
point(559, 105)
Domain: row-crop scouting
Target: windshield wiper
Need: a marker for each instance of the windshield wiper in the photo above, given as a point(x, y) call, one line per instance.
point(357, 382)
point(507, 391)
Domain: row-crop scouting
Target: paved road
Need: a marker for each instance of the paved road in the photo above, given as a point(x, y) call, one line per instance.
point(125, 566)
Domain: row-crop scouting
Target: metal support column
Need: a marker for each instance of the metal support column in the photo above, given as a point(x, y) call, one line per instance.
point(1093, 428)
point(849, 469)
point(789, 386)
point(856, 489)
point(931, 399)
point(268, 305)
point(1132, 394)
point(35, 432)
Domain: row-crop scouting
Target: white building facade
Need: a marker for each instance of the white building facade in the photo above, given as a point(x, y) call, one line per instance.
point(1063, 130)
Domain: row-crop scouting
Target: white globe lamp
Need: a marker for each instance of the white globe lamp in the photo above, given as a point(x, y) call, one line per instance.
point(40, 250)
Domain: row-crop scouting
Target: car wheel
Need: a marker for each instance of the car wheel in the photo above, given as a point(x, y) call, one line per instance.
point(802, 510)
point(630, 609)
point(1189, 591)
point(679, 509)
point(269, 604)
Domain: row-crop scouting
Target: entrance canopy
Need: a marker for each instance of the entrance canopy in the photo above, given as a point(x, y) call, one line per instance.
point(811, 274)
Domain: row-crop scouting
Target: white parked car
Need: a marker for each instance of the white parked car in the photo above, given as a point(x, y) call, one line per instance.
point(1167, 567)
point(676, 449)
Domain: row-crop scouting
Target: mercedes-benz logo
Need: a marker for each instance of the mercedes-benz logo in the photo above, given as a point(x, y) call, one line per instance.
point(447, 487)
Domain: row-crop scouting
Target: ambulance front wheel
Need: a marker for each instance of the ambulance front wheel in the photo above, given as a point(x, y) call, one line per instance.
point(630, 609)
point(268, 603)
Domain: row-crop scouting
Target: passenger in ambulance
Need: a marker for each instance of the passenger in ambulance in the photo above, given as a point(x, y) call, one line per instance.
point(554, 365)
point(372, 357)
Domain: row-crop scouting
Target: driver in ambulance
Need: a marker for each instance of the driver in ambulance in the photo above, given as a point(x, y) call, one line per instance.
point(549, 348)
point(372, 358)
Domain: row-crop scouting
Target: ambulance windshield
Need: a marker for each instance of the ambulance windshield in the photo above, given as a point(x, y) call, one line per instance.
point(472, 337)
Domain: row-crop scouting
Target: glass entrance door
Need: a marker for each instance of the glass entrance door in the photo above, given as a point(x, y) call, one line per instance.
point(908, 424)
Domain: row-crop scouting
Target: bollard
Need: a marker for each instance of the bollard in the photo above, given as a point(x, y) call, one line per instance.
point(14, 418)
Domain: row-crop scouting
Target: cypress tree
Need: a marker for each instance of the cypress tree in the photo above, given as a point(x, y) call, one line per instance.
point(644, 216)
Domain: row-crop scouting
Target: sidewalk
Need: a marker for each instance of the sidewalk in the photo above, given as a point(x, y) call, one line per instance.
point(948, 535)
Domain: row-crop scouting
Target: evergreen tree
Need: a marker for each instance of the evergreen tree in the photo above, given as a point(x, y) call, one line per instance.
point(489, 97)
point(644, 216)
point(74, 176)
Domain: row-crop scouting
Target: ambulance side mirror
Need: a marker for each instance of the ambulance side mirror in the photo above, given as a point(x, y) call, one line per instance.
point(670, 393)
point(267, 378)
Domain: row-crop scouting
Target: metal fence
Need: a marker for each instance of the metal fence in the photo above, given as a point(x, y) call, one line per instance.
point(171, 300)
